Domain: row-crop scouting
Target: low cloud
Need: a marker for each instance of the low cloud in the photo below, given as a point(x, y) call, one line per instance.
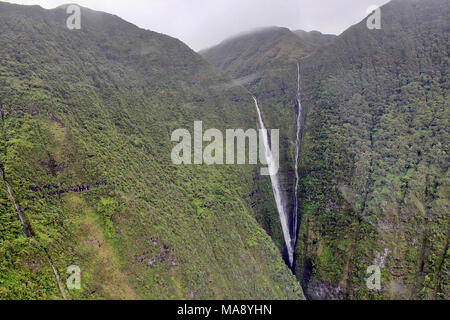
point(204, 23)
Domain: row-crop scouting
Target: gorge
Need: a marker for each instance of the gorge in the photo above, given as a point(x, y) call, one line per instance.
point(289, 237)
point(360, 179)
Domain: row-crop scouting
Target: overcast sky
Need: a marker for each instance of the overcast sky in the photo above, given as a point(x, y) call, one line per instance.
point(204, 23)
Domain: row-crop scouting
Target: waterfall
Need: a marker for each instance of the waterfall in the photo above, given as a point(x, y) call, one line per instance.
point(26, 234)
point(276, 189)
point(16, 207)
point(289, 231)
point(297, 152)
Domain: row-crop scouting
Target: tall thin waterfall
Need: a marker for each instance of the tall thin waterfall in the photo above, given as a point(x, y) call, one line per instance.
point(276, 189)
point(16, 207)
point(297, 153)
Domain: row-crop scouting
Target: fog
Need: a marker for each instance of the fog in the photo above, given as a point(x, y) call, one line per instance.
point(204, 23)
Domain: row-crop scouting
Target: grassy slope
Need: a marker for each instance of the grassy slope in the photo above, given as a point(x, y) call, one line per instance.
point(94, 108)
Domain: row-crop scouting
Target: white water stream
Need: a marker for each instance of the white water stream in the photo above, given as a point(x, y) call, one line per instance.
point(297, 153)
point(276, 188)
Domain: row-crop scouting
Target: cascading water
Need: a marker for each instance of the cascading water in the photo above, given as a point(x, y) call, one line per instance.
point(13, 200)
point(26, 234)
point(297, 153)
point(276, 189)
point(289, 231)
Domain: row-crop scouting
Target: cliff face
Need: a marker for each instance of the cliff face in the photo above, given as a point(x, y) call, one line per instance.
point(265, 62)
point(86, 118)
point(315, 38)
point(374, 156)
point(86, 123)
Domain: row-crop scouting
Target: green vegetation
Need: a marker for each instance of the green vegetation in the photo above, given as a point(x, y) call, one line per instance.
point(86, 120)
point(85, 127)
point(374, 155)
point(315, 38)
point(269, 56)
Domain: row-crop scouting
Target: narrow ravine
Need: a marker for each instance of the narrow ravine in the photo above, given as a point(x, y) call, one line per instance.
point(278, 195)
point(16, 207)
point(28, 235)
point(58, 279)
point(289, 224)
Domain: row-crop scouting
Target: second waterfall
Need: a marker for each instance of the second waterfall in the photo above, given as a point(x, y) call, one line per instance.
point(297, 155)
point(289, 224)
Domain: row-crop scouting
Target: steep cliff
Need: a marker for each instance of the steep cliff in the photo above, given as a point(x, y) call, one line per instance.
point(374, 154)
point(86, 123)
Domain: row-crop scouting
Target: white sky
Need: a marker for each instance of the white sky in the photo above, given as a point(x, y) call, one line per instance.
point(204, 23)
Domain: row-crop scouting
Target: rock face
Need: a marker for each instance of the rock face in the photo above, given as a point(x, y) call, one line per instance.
point(80, 108)
point(83, 107)
point(267, 59)
point(373, 190)
point(374, 155)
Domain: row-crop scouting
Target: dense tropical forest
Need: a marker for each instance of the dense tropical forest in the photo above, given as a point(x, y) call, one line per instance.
point(86, 176)
point(374, 155)
point(86, 123)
